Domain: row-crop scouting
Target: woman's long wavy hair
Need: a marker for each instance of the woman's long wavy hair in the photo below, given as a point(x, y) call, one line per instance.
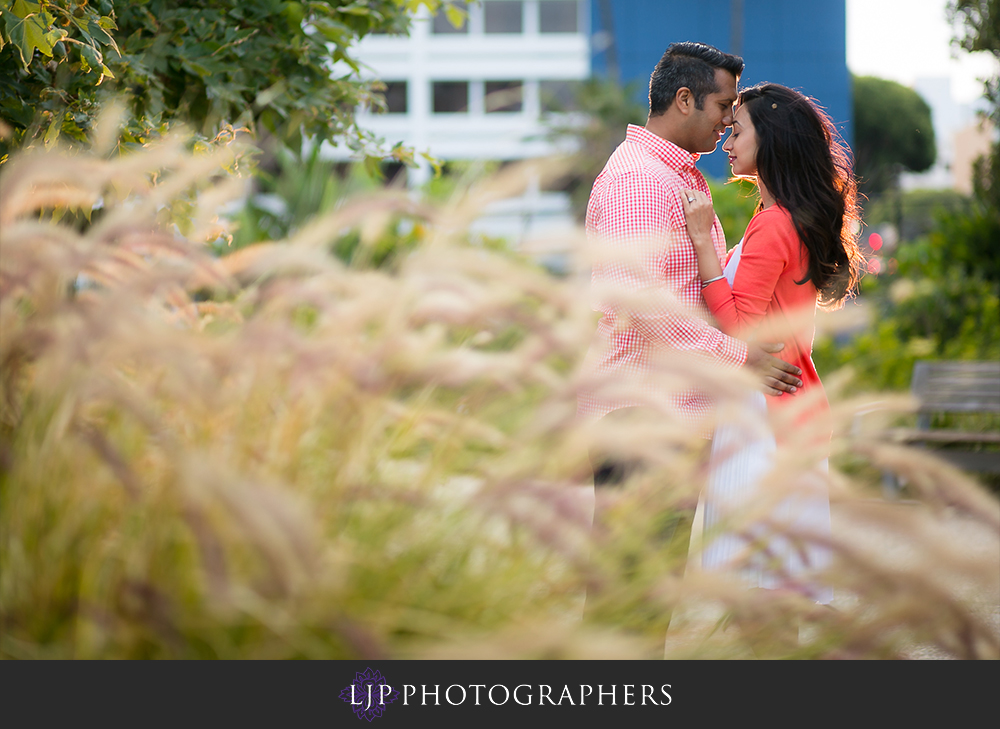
point(807, 168)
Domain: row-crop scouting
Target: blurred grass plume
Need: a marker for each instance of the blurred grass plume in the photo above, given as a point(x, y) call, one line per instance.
point(275, 454)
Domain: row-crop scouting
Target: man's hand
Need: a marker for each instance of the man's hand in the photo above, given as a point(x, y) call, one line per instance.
point(777, 375)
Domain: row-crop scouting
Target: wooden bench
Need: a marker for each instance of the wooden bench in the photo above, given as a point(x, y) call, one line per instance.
point(954, 387)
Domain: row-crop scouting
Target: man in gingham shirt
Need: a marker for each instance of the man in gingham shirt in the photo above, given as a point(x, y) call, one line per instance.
point(636, 218)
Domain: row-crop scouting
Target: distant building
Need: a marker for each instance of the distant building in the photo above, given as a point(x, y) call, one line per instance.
point(479, 91)
point(970, 143)
point(957, 134)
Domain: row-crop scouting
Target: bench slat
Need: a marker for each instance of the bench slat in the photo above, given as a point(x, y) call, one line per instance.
point(951, 387)
point(913, 435)
point(976, 461)
point(957, 386)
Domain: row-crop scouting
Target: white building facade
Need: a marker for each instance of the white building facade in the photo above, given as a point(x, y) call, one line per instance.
point(480, 91)
point(484, 91)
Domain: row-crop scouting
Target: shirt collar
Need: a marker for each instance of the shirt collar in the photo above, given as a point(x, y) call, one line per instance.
point(668, 152)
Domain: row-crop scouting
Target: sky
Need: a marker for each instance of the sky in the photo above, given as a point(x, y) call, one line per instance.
point(903, 40)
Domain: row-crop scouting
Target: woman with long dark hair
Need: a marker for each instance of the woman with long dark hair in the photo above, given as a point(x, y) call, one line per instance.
point(800, 250)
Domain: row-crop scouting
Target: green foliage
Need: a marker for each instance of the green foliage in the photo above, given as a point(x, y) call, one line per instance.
point(261, 64)
point(941, 302)
point(457, 175)
point(892, 132)
point(734, 202)
point(46, 26)
point(53, 56)
point(948, 316)
point(914, 213)
point(943, 299)
point(969, 242)
point(980, 21)
point(289, 191)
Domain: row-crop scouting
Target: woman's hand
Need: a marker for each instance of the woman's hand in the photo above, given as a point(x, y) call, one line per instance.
point(700, 217)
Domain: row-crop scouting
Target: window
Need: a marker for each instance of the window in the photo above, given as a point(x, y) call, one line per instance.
point(442, 25)
point(451, 97)
point(502, 17)
point(504, 96)
point(556, 96)
point(558, 16)
point(395, 97)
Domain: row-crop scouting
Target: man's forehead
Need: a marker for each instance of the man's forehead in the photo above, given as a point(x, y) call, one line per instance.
point(725, 85)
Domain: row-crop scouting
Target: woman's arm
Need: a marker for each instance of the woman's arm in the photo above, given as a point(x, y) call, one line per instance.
point(742, 307)
point(700, 217)
point(768, 246)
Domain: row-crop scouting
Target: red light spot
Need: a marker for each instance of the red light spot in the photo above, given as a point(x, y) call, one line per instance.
point(875, 266)
point(875, 241)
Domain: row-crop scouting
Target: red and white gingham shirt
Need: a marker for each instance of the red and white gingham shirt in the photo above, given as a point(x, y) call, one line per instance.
point(635, 220)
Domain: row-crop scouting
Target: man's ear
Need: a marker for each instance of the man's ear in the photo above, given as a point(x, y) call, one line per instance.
point(684, 100)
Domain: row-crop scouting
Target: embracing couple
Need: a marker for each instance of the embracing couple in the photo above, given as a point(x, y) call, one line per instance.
point(651, 217)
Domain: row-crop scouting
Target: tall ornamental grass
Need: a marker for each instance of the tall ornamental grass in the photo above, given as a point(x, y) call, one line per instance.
point(273, 455)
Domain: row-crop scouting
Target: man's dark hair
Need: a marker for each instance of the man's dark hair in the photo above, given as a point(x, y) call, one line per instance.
point(692, 65)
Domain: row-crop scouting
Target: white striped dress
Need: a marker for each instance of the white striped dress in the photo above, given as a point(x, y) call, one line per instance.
point(742, 457)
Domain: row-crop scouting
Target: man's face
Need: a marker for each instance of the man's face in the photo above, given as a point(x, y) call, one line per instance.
point(707, 125)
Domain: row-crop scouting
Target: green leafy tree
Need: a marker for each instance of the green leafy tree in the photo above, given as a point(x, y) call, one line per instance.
point(980, 23)
point(973, 238)
point(284, 68)
point(892, 132)
point(930, 308)
point(52, 61)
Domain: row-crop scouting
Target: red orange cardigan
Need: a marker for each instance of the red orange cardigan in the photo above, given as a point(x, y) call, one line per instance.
point(766, 291)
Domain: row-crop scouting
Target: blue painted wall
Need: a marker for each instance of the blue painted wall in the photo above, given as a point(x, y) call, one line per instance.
point(799, 44)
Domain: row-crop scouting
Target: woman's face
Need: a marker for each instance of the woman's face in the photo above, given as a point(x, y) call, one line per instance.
point(742, 145)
